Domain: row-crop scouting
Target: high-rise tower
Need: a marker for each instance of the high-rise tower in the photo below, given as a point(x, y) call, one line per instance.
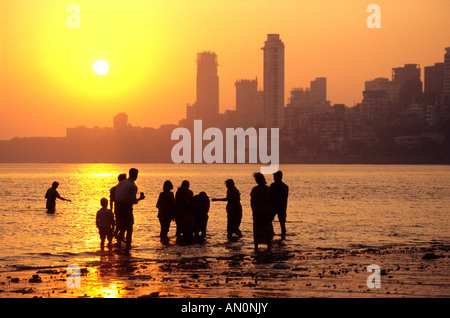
point(434, 82)
point(274, 81)
point(447, 73)
point(406, 86)
point(207, 104)
point(247, 106)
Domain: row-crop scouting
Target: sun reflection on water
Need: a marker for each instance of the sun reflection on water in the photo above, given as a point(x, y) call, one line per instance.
point(110, 291)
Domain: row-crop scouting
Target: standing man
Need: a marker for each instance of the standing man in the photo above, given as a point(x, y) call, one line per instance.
point(112, 200)
point(125, 198)
point(51, 196)
point(279, 192)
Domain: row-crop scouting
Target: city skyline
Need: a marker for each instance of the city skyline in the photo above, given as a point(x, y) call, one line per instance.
point(151, 60)
point(253, 112)
point(400, 120)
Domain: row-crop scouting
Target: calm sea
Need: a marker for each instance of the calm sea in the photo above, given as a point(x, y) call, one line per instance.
point(330, 206)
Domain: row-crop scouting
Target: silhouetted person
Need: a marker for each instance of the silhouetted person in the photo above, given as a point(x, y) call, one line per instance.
point(105, 224)
point(51, 196)
point(125, 196)
point(233, 208)
point(183, 199)
point(262, 220)
point(166, 209)
point(112, 191)
point(112, 200)
point(279, 193)
point(200, 207)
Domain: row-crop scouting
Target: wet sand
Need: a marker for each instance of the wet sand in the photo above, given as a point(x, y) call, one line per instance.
point(406, 271)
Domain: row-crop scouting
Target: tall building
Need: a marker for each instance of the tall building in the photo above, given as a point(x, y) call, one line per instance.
point(247, 105)
point(120, 121)
point(434, 82)
point(206, 107)
point(297, 110)
point(319, 90)
point(374, 108)
point(274, 81)
point(406, 86)
point(447, 73)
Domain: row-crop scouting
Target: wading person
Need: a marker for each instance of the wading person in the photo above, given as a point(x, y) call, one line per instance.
point(279, 193)
point(262, 220)
point(112, 198)
point(125, 197)
point(233, 208)
point(200, 207)
point(183, 199)
point(51, 197)
point(166, 209)
point(105, 223)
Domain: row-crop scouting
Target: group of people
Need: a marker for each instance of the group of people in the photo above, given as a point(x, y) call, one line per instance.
point(189, 211)
point(122, 198)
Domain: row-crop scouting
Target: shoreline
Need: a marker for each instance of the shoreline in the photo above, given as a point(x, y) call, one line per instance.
point(406, 271)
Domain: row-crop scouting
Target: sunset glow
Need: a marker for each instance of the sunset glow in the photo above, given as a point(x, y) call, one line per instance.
point(152, 46)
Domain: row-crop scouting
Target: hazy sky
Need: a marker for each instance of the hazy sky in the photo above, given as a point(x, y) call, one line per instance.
point(48, 84)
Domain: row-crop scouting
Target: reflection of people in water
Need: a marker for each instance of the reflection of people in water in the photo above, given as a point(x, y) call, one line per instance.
point(262, 220)
point(166, 209)
point(105, 223)
point(51, 196)
point(234, 209)
point(279, 192)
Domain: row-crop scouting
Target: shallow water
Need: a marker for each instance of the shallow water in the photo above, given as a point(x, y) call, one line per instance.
point(330, 206)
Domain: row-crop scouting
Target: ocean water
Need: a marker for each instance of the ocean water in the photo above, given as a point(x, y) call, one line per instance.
point(330, 206)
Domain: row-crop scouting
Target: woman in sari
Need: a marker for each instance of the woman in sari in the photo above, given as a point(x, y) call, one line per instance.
point(262, 221)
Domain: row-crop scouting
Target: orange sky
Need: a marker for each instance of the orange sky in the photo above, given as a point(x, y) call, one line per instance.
point(47, 81)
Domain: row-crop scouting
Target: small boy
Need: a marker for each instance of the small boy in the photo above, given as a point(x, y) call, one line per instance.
point(105, 223)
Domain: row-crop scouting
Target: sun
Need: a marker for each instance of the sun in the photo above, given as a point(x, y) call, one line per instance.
point(101, 67)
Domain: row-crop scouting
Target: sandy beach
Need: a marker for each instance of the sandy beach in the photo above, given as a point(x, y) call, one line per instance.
point(406, 271)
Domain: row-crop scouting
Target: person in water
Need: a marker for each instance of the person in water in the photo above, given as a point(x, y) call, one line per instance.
point(262, 218)
point(233, 208)
point(105, 224)
point(51, 196)
point(183, 198)
point(125, 197)
point(166, 209)
point(200, 207)
point(112, 201)
point(279, 193)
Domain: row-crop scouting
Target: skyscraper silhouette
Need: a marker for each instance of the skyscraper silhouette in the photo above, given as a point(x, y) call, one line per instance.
point(319, 90)
point(434, 82)
point(447, 73)
point(120, 121)
point(274, 81)
point(247, 103)
point(207, 88)
point(206, 107)
point(406, 86)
